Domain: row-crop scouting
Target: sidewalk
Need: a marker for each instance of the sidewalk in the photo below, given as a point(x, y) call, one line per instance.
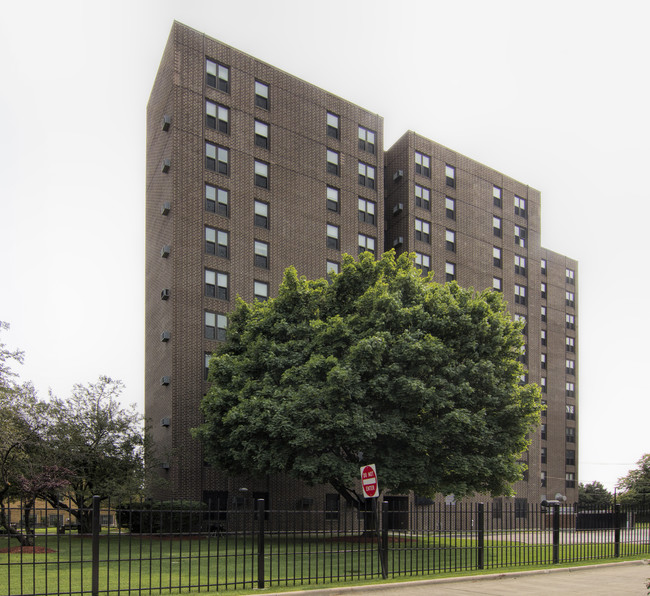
point(628, 577)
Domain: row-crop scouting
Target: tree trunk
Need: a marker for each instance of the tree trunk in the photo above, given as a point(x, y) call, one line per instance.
point(25, 539)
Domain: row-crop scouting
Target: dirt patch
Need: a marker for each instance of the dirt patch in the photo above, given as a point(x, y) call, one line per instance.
point(29, 550)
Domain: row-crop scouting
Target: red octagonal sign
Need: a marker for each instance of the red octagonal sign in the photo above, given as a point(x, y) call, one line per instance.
point(369, 481)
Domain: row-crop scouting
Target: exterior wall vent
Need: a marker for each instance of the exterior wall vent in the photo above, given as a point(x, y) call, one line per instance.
point(165, 421)
point(165, 465)
point(398, 175)
point(166, 207)
point(398, 241)
point(165, 380)
point(166, 122)
point(164, 253)
point(398, 208)
point(165, 336)
point(165, 294)
point(167, 163)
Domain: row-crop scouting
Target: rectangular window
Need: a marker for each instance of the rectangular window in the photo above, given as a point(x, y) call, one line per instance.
point(570, 412)
point(543, 431)
point(366, 244)
point(543, 361)
point(215, 326)
point(570, 458)
point(520, 236)
point(216, 200)
point(543, 458)
point(543, 336)
point(261, 290)
point(570, 389)
point(216, 284)
point(543, 289)
point(450, 272)
point(366, 211)
point(542, 475)
point(570, 366)
point(332, 236)
point(450, 176)
point(261, 95)
point(333, 198)
point(261, 214)
point(217, 75)
point(423, 262)
point(520, 265)
point(542, 383)
point(332, 269)
point(422, 197)
point(543, 266)
point(332, 125)
point(570, 275)
point(261, 174)
point(497, 196)
point(543, 311)
point(570, 480)
point(544, 406)
point(570, 321)
point(497, 283)
point(366, 140)
point(261, 254)
point(423, 231)
point(422, 164)
point(206, 366)
point(570, 344)
point(366, 175)
point(496, 256)
point(217, 158)
point(520, 294)
point(523, 355)
point(570, 298)
point(570, 434)
point(450, 208)
point(450, 238)
point(332, 505)
point(217, 117)
point(522, 319)
point(216, 242)
point(496, 226)
point(520, 206)
point(261, 134)
point(333, 162)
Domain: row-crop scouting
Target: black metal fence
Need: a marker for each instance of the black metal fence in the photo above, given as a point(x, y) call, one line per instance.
point(163, 548)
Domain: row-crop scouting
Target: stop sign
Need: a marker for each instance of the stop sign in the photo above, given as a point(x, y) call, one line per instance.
point(369, 481)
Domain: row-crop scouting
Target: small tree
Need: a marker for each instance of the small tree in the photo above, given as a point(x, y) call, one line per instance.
point(382, 366)
point(636, 485)
point(593, 496)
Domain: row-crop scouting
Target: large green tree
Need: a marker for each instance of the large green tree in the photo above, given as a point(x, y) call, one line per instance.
point(635, 486)
point(379, 366)
point(593, 495)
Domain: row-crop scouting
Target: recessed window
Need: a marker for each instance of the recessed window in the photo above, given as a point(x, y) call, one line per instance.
point(333, 198)
point(570, 321)
point(520, 294)
point(542, 383)
point(422, 197)
point(261, 134)
point(423, 262)
point(520, 236)
point(496, 226)
point(366, 175)
point(217, 158)
point(570, 389)
point(542, 481)
point(216, 200)
point(261, 214)
point(215, 326)
point(261, 95)
point(217, 75)
point(570, 480)
point(332, 125)
point(332, 269)
point(542, 429)
point(450, 176)
point(216, 242)
point(520, 265)
point(544, 407)
point(570, 298)
point(570, 367)
point(496, 256)
point(366, 211)
point(497, 283)
point(570, 434)
point(520, 206)
point(366, 243)
point(570, 412)
point(450, 208)
point(206, 366)
point(261, 254)
point(497, 196)
point(422, 164)
point(261, 174)
point(261, 290)
point(570, 457)
point(522, 319)
point(333, 159)
point(543, 311)
point(216, 284)
point(450, 271)
point(523, 356)
point(543, 336)
point(450, 239)
point(570, 343)
point(543, 361)
point(570, 276)
point(543, 289)
point(366, 140)
point(543, 455)
point(423, 231)
point(217, 117)
point(332, 236)
point(543, 266)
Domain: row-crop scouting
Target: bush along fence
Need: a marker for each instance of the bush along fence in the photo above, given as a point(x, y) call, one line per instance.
point(165, 547)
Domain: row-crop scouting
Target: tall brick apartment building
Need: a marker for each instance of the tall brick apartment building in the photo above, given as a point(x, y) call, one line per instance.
point(250, 170)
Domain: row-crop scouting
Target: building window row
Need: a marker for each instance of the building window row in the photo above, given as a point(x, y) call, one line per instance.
point(215, 326)
point(520, 207)
point(218, 76)
point(570, 389)
point(423, 262)
point(217, 286)
point(520, 265)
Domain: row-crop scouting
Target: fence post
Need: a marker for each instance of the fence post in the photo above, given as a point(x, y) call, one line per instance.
point(481, 536)
point(556, 534)
point(95, 546)
point(617, 530)
point(260, 543)
point(383, 552)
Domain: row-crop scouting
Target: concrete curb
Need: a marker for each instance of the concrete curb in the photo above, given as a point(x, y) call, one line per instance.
point(447, 580)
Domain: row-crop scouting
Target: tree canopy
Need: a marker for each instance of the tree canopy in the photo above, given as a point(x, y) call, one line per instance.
point(635, 486)
point(593, 496)
point(379, 366)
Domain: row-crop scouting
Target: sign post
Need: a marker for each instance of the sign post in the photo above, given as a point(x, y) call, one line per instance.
point(370, 486)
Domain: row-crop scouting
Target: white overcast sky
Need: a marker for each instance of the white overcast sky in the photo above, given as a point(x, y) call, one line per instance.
point(555, 94)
